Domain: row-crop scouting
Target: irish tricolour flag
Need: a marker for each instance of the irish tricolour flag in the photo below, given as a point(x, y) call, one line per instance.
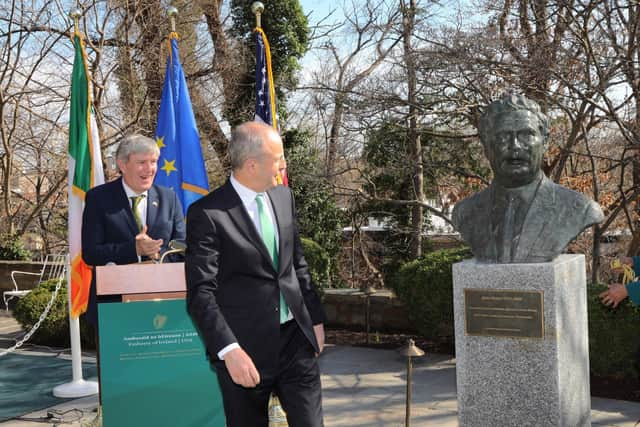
point(85, 171)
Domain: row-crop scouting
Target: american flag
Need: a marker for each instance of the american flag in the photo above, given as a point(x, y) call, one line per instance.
point(265, 92)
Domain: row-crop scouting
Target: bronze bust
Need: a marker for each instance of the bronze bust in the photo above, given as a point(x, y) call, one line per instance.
point(522, 217)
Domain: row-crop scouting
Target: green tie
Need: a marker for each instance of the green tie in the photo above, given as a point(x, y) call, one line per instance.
point(269, 239)
point(135, 201)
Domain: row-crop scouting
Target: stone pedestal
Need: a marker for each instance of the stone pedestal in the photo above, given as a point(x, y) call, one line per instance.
point(505, 381)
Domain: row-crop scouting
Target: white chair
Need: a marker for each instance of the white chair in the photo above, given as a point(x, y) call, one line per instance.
point(54, 267)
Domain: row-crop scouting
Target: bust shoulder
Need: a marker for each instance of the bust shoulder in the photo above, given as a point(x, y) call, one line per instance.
point(471, 206)
point(577, 203)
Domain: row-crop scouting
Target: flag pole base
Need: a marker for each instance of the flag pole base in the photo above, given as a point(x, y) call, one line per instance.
point(73, 389)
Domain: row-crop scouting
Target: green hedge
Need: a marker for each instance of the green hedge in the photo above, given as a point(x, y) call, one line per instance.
point(319, 263)
point(425, 287)
point(54, 330)
point(614, 340)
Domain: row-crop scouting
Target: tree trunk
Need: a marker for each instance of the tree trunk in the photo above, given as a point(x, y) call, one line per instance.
point(334, 137)
point(415, 146)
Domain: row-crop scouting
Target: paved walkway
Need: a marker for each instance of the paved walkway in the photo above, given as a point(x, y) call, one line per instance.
point(361, 387)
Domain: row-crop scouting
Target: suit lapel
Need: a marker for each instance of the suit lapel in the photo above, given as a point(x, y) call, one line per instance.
point(123, 201)
point(243, 222)
point(153, 204)
point(534, 223)
point(485, 204)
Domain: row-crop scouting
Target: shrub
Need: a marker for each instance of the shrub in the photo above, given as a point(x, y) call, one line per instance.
point(319, 263)
point(425, 287)
point(12, 249)
point(613, 336)
point(54, 330)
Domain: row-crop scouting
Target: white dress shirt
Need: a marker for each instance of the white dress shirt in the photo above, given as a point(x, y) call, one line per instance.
point(248, 197)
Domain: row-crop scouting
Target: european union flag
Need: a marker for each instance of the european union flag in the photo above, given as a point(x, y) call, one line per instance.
point(181, 165)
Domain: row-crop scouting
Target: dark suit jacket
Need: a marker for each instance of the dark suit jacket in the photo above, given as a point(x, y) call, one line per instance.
point(232, 286)
point(556, 216)
point(109, 227)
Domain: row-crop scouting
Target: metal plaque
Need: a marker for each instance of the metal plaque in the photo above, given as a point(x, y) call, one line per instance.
point(500, 313)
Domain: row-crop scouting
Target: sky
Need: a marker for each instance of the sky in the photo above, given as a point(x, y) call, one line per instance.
point(318, 9)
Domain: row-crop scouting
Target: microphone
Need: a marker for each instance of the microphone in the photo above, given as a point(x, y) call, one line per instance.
point(175, 247)
point(179, 245)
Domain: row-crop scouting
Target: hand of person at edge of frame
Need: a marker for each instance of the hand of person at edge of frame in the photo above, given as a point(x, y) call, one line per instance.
point(614, 295)
point(241, 368)
point(319, 332)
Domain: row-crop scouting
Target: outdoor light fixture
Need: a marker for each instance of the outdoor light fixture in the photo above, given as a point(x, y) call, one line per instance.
point(368, 291)
point(410, 350)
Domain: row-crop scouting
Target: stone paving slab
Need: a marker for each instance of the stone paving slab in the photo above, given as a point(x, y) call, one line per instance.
point(74, 413)
point(361, 388)
point(609, 412)
point(364, 387)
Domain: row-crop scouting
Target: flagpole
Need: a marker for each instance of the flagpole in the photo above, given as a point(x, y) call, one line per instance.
point(257, 8)
point(172, 12)
point(265, 82)
point(78, 387)
point(181, 163)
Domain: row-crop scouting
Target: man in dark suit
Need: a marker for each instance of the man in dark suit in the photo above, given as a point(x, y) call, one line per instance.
point(522, 216)
point(249, 290)
point(129, 220)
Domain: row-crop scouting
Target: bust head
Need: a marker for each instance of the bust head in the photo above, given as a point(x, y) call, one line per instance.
point(514, 133)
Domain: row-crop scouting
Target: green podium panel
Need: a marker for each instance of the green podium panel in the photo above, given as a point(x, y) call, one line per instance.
point(153, 368)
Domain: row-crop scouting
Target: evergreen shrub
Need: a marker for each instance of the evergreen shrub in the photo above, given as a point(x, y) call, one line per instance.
point(12, 249)
point(614, 341)
point(319, 263)
point(425, 287)
point(54, 330)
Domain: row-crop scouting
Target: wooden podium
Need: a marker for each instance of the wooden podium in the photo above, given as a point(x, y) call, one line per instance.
point(153, 367)
point(138, 282)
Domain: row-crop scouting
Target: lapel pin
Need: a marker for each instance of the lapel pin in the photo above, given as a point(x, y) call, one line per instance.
point(155, 204)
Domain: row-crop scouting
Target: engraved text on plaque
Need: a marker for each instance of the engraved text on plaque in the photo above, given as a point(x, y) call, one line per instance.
point(502, 313)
